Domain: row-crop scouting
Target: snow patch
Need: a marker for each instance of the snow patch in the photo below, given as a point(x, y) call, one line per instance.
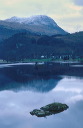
point(37, 20)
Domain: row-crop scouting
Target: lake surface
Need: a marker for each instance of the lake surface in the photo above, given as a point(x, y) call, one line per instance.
point(27, 87)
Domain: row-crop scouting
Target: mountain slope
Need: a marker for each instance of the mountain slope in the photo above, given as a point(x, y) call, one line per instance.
point(75, 41)
point(7, 30)
point(40, 25)
point(35, 20)
point(24, 46)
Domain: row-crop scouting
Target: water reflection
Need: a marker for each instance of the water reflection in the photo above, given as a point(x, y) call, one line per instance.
point(42, 78)
point(40, 85)
point(20, 78)
point(15, 106)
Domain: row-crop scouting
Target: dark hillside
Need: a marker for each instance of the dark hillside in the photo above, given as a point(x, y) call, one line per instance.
point(26, 46)
point(22, 46)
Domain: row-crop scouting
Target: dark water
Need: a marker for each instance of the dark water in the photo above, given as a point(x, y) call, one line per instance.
point(26, 87)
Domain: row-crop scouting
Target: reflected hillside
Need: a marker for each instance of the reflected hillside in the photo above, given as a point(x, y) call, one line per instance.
point(41, 78)
point(24, 77)
point(38, 85)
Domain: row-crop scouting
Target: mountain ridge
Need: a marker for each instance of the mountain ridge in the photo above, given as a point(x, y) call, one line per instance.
point(40, 24)
point(35, 19)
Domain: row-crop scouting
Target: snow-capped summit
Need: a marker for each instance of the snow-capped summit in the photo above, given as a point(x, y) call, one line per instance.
point(16, 19)
point(37, 20)
point(41, 24)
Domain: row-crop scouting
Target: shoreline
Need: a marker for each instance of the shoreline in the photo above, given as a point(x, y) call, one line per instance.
point(37, 63)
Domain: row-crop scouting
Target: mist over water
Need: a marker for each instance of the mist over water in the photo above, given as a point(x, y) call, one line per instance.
point(21, 92)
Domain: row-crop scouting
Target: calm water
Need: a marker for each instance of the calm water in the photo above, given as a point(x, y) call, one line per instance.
point(26, 87)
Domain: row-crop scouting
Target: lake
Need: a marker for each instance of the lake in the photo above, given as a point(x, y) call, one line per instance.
point(24, 87)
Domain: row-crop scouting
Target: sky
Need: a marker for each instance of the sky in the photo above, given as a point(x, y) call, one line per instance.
point(68, 14)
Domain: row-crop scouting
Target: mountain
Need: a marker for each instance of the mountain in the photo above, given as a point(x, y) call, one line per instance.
point(23, 46)
point(8, 29)
point(32, 37)
point(35, 20)
point(40, 25)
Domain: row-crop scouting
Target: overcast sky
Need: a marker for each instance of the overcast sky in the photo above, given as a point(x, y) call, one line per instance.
point(68, 14)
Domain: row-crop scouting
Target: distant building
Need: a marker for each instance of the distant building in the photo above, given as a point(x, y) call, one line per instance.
point(42, 57)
